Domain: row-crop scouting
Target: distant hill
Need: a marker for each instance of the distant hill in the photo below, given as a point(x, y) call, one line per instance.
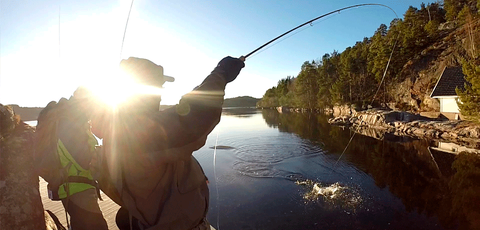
point(244, 101)
point(26, 113)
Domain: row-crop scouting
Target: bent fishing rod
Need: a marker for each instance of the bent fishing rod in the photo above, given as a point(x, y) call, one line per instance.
point(243, 58)
point(311, 21)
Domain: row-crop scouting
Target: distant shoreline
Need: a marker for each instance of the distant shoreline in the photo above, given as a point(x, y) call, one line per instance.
point(28, 114)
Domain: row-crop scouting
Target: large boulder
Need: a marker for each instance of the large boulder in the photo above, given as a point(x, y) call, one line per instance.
point(383, 118)
point(343, 110)
point(377, 122)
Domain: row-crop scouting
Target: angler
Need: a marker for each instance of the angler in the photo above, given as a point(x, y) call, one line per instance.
point(64, 148)
point(146, 165)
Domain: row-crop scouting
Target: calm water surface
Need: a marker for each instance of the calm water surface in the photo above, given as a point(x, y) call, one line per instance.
point(287, 171)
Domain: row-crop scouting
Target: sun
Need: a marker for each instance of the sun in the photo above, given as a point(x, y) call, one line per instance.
point(119, 88)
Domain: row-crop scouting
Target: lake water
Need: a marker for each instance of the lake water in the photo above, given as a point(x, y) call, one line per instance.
point(32, 123)
point(287, 171)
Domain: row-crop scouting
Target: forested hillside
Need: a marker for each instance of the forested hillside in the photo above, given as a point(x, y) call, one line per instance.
point(244, 101)
point(425, 41)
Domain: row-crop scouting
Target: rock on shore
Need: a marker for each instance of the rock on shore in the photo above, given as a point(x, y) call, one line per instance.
point(402, 123)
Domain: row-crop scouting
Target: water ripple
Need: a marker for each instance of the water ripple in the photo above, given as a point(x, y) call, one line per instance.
point(264, 157)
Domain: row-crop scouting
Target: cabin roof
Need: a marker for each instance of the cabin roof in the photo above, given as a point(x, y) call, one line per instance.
point(451, 78)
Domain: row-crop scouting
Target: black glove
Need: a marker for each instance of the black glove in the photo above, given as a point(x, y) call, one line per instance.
point(229, 67)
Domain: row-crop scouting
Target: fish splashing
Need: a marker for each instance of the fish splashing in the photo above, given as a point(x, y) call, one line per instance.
point(334, 194)
point(330, 192)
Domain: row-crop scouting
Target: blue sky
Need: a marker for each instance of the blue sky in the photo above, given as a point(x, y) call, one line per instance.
point(186, 37)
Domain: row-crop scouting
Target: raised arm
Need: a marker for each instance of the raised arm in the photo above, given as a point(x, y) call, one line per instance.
point(178, 131)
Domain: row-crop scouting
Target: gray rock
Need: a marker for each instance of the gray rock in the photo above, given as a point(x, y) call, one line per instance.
point(408, 124)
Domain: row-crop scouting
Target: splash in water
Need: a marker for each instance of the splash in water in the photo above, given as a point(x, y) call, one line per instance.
point(335, 195)
point(329, 192)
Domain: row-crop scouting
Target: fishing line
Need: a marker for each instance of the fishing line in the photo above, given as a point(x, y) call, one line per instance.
point(59, 47)
point(215, 175)
point(259, 48)
point(385, 72)
point(59, 72)
point(301, 25)
point(308, 22)
point(216, 141)
point(126, 25)
point(345, 149)
point(379, 86)
point(324, 15)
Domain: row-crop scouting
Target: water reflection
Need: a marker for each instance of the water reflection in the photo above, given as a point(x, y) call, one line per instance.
point(240, 111)
point(453, 148)
point(404, 166)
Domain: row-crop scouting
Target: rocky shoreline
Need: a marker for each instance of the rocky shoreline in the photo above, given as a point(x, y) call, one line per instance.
point(400, 123)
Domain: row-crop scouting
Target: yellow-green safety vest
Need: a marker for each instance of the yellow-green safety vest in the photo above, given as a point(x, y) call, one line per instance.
point(74, 169)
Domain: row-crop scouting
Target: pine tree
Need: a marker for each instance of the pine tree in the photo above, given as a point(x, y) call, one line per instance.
point(452, 8)
point(306, 86)
point(327, 75)
point(469, 99)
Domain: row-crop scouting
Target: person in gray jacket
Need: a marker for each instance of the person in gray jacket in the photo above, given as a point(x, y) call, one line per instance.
point(147, 165)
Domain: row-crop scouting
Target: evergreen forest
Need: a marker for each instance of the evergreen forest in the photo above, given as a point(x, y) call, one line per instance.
point(427, 39)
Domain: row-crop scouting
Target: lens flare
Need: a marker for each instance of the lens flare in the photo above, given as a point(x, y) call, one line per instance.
point(116, 91)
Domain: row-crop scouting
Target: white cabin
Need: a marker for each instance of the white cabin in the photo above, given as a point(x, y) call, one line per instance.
point(444, 91)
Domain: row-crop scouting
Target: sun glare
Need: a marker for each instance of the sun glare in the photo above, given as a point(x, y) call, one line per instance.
point(115, 91)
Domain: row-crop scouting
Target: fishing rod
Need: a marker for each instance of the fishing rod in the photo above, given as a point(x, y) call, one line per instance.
point(243, 58)
point(311, 21)
point(125, 31)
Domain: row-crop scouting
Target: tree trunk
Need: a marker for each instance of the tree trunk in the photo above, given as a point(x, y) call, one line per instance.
point(20, 203)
